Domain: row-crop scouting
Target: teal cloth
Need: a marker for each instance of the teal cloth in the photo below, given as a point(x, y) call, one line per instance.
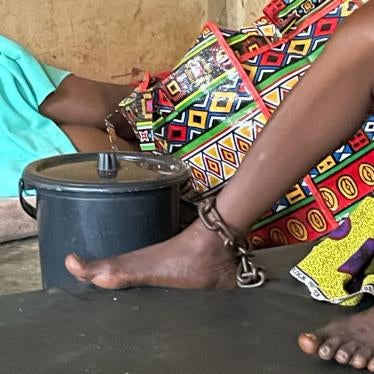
point(25, 134)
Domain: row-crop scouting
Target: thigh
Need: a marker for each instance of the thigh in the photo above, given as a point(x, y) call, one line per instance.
point(83, 101)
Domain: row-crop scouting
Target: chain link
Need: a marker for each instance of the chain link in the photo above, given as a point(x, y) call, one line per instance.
point(248, 274)
point(111, 130)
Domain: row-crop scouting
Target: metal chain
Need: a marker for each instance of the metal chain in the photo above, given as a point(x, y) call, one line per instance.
point(248, 274)
point(111, 130)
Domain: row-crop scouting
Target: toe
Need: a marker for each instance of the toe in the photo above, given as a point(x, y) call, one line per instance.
point(309, 343)
point(329, 347)
point(371, 364)
point(345, 352)
point(361, 358)
point(77, 267)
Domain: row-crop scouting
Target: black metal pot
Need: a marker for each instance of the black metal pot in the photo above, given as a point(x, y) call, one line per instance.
point(100, 205)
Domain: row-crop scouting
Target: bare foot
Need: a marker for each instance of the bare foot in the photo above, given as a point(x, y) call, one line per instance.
point(196, 258)
point(350, 341)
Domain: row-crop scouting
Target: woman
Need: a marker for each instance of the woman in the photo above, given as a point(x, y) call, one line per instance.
point(322, 112)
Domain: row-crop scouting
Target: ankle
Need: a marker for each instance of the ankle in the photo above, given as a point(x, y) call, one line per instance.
point(202, 239)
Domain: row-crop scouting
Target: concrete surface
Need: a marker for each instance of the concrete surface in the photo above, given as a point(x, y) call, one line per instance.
point(19, 266)
point(15, 224)
point(112, 40)
point(108, 40)
point(161, 331)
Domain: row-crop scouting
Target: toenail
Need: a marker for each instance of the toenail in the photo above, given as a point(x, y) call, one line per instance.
point(76, 257)
point(342, 357)
point(310, 336)
point(358, 362)
point(324, 350)
point(371, 366)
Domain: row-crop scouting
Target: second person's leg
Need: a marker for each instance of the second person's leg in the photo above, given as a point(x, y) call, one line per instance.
point(79, 106)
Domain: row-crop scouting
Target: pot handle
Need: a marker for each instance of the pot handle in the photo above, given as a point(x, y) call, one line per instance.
point(28, 208)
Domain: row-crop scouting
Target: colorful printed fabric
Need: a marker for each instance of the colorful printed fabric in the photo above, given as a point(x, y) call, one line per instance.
point(341, 269)
point(210, 109)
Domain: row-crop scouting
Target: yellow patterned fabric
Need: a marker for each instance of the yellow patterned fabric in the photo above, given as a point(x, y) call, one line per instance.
point(340, 269)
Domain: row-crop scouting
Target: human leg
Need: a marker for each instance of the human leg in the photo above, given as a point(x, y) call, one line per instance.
point(84, 102)
point(324, 110)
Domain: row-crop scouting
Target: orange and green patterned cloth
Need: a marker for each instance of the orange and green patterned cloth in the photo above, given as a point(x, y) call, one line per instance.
point(210, 109)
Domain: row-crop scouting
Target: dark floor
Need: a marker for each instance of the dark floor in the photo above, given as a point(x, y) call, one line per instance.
point(161, 331)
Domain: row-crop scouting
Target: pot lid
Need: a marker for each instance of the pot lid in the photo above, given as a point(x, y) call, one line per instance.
point(105, 172)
